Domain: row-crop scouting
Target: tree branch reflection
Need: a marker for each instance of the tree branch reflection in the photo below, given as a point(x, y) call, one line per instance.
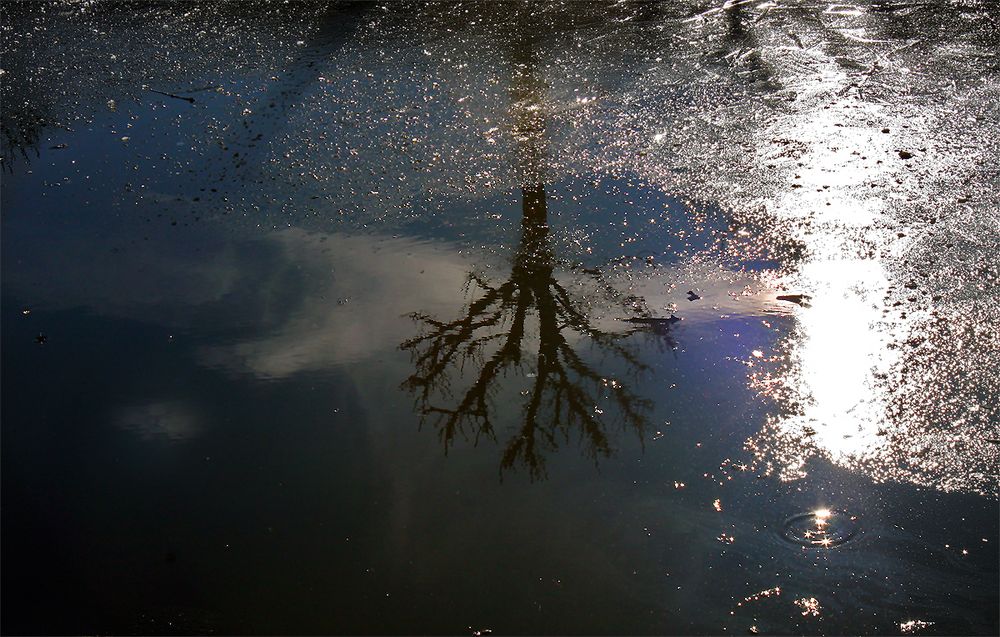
point(493, 337)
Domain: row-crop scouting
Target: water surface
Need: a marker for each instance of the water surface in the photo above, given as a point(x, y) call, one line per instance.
point(526, 318)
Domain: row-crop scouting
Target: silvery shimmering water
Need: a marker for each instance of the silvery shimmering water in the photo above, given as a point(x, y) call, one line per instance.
point(553, 317)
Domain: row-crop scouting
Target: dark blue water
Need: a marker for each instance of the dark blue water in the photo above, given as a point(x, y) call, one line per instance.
point(528, 318)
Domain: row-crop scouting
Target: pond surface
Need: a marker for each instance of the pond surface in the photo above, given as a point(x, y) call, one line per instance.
point(524, 318)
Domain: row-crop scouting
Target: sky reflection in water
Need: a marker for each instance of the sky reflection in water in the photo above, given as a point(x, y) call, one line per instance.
point(377, 224)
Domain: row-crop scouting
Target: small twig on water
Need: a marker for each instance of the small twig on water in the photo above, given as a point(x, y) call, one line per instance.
point(189, 100)
point(651, 320)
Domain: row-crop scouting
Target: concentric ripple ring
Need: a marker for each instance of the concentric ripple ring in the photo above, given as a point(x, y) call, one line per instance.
point(820, 529)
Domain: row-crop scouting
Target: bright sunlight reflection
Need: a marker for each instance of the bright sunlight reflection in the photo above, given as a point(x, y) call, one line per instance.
point(832, 365)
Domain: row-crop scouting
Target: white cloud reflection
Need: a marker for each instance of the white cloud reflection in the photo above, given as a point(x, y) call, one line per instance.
point(363, 288)
point(169, 420)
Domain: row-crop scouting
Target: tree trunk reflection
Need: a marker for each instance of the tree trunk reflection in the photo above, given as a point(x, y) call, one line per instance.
point(529, 325)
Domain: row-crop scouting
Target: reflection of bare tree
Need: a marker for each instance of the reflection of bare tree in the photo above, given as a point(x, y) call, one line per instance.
point(19, 136)
point(565, 393)
point(25, 111)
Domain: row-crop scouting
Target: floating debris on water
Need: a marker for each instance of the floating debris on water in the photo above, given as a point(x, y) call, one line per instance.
point(800, 299)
